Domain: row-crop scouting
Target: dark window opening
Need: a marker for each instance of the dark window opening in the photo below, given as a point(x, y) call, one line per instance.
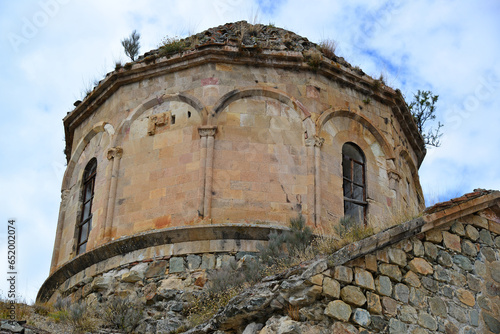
point(189, 114)
point(173, 120)
point(88, 195)
point(354, 187)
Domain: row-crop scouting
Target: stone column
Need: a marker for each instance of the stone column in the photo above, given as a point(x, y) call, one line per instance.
point(203, 162)
point(114, 154)
point(207, 134)
point(318, 142)
point(60, 227)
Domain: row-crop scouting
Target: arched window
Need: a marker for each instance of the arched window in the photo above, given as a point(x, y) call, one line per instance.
point(88, 195)
point(353, 172)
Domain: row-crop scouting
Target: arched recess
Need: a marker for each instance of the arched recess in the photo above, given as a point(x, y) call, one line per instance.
point(403, 153)
point(269, 92)
point(99, 127)
point(340, 112)
point(150, 103)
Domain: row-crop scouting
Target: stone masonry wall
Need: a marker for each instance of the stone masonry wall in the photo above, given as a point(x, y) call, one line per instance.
point(446, 280)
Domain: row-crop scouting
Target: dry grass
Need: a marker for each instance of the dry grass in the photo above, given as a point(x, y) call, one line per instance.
point(293, 312)
point(328, 48)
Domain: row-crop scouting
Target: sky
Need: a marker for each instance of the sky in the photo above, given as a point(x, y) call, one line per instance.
point(53, 50)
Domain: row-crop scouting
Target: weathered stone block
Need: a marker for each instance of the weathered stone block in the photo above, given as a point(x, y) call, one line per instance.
point(371, 262)
point(412, 279)
point(441, 274)
point(331, 287)
point(427, 321)
point(397, 327)
point(401, 292)
point(463, 262)
point(364, 279)
point(466, 297)
point(389, 306)
point(156, 269)
point(471, 232)
point(431, 250)
point(343, 274)
point(452, 241)
point(383, 285)
point(338, 310)
point(434, 236)
point(373, 303)
point(418, 248)
point(489, 254)
point(176, 265)
point(438, 306)
point(418, 297)
point(316, 279)
point(344, 328)
point(444, 258)
point(391, 270)
point(420, 266)
point(193, 261)
point(361, 317)
point(485, 237)
point(469, 248)
point(353, 295)
point(457, 312)
point(495, 271)
point(208, 261)
point(408, 314)
point(397, 256)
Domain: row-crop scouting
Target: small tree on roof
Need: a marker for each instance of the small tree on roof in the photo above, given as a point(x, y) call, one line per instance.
point(423, 110)
point(131, 45)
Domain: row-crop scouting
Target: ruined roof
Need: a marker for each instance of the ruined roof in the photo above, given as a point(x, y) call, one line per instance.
point(457, 201)
point(249, 44)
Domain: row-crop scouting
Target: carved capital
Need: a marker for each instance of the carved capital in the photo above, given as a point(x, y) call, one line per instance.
point(115, 152)
point(157, 120)
point(318, 141)
point(207, 130)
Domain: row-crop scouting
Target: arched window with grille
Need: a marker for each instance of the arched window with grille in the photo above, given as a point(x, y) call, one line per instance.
point(354, 186)
point(85, 224)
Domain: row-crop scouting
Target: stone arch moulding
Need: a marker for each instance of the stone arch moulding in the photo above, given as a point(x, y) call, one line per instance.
point(150, 103)
point(403, 153)
point(341, 112)
point(99, 127)
point(269, 92)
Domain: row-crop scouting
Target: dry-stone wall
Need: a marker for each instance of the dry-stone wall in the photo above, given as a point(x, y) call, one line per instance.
point(446, 280)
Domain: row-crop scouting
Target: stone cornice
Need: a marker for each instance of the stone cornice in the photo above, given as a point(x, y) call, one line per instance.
point(295, 60)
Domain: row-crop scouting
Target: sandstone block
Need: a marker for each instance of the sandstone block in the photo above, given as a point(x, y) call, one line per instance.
point(412, 279)
point(338, 310)
point(418, 248)
point(331, 287)
point(434, 236)
point(155, 269)
point(458, 228)
point(466, 297)
point(389, 306)
point(371, 263)
point(420, 266)
point(471, 232)
point(373, 303)
point(397, 256)
point(343, 328)
point(132, 276)
point(452, 241)
point(364, 279)
point(391, 271)
point(316, 279)
point(353, 295)
point(343, 274)
point(430, 250)
point(383, 256)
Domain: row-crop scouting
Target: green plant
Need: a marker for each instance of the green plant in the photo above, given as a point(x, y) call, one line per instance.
point(121, 313)
point(313, 59)
point(423, 110)
point(367, 100)
point(171, 45)
point(131, 45)
point(42, 309)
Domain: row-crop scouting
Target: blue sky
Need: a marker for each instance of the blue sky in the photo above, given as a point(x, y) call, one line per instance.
point(53, 49)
